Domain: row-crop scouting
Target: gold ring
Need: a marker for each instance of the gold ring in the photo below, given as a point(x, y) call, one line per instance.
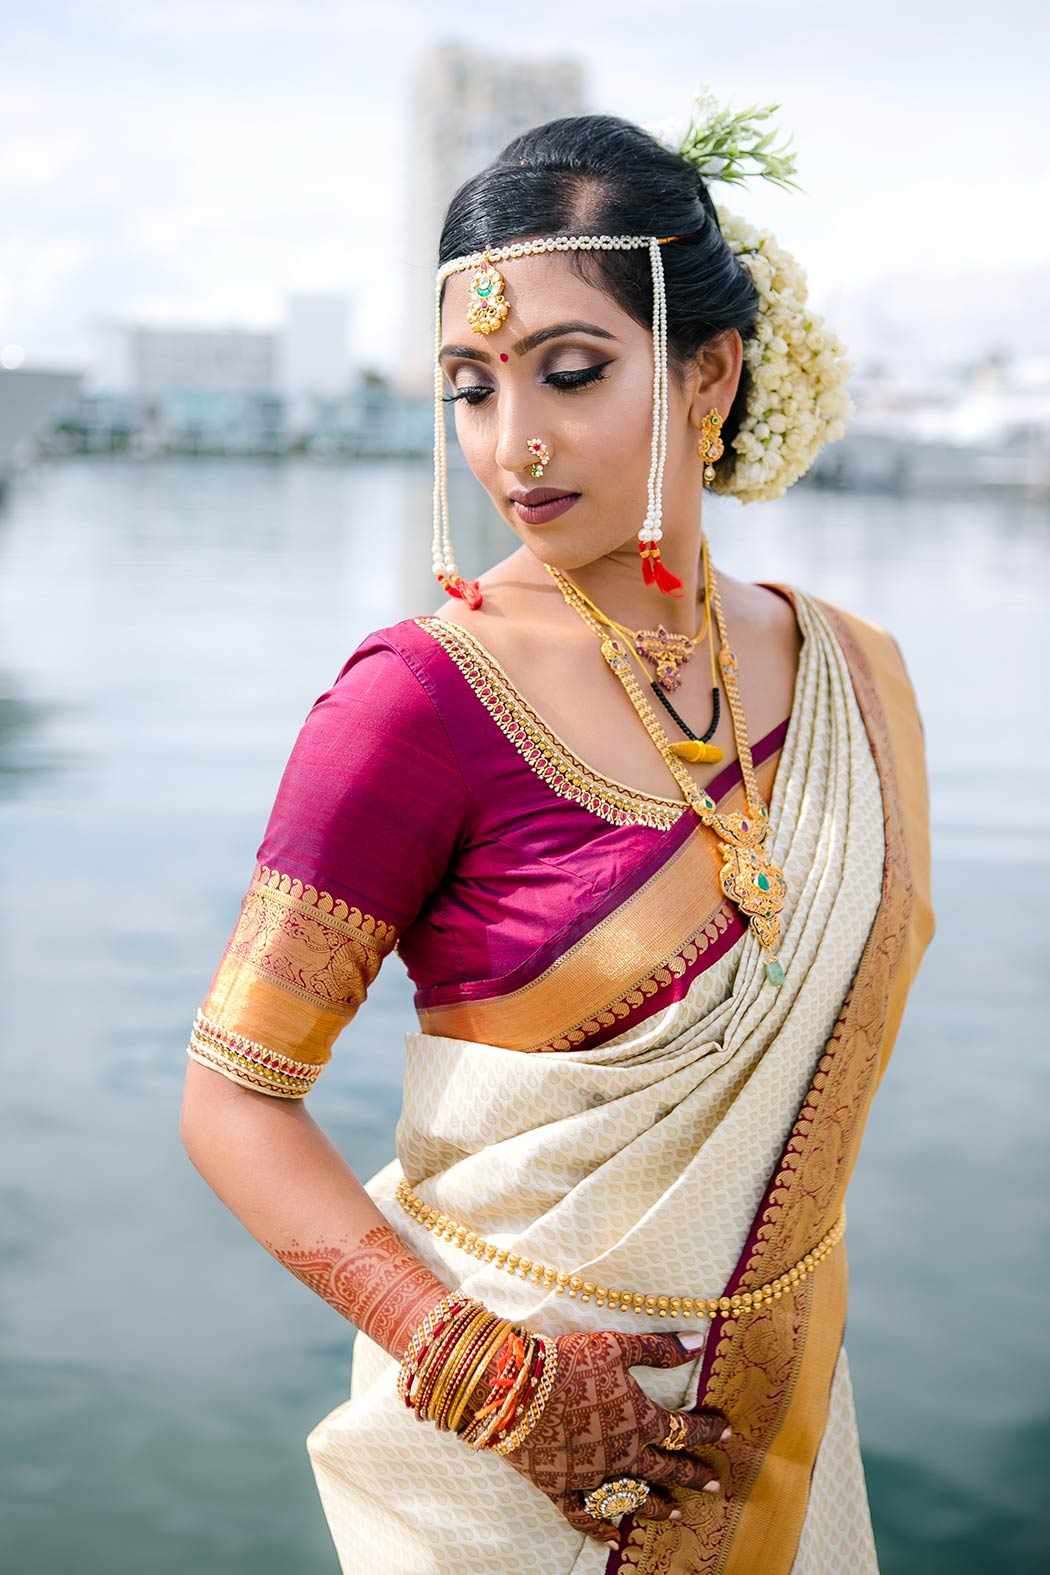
point(616, 1497)
point(677, 1433)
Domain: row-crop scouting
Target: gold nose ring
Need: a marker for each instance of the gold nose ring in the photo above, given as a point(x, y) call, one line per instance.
point(538, 448)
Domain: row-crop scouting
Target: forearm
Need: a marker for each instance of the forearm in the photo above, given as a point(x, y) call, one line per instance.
point(275, 1169)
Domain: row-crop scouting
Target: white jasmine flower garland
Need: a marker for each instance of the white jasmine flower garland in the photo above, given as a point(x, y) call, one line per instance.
point(797, 399)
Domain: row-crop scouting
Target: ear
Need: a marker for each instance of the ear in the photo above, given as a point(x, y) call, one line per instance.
point(714, 376)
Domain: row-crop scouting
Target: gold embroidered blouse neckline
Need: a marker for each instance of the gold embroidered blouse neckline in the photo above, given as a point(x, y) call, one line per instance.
point(549, 756)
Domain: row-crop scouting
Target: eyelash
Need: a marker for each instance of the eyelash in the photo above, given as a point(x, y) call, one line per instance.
point(581, 379)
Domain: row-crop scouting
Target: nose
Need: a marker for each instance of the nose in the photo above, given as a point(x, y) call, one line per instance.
point(518, 416)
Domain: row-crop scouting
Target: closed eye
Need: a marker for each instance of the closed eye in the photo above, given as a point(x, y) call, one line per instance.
point(567, 382)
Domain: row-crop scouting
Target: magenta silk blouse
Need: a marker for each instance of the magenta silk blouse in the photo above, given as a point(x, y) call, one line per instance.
point(421, 791)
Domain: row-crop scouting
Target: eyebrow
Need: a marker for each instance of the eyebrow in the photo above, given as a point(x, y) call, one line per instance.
point(530, 341)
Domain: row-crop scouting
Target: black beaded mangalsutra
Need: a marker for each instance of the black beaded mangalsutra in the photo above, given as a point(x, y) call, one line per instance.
point(716, 702)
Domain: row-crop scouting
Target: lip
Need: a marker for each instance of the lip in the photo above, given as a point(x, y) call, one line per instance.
point(540, 495)
point(542, 504)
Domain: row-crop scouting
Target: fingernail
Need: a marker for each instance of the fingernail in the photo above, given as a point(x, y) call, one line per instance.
point(727, 1433)
point(676, 1514)
point(710, 1487)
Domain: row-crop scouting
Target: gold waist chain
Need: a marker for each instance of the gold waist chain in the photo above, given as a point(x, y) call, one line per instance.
point(616, 1300)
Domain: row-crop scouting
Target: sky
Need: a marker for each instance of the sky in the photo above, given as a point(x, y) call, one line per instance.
point(194, 161)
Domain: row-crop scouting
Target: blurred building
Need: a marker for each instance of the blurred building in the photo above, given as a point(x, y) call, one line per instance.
point(315, 344)
point(464, 107)
point(983, 424)
point(136, 358)
point(31, 398)
point(313, 359)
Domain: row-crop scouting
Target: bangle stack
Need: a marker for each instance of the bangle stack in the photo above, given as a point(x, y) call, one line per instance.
point(447, 1359)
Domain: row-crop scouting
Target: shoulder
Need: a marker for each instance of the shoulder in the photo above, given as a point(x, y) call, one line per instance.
point(396, 667)
point(873, 649)
point(865, 631)
point(385, 705)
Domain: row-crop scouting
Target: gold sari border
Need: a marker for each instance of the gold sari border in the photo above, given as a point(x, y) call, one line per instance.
point(597, 985)
point(773, 1373)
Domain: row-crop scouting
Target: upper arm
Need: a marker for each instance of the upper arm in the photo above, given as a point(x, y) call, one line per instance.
point(365, 823)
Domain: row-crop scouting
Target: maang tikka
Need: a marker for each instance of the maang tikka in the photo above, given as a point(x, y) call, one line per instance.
point(487, 312)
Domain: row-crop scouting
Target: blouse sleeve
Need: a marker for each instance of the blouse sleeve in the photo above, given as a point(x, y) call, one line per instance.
point(365, 823)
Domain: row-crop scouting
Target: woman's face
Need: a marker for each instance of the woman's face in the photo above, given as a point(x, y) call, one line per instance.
point(570, 367)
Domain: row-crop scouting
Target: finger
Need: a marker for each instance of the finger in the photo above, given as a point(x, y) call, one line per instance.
point(674, 1470)
point(701, 1427)
point(571, 1506)
point(653, 1350)
point(659, 1506)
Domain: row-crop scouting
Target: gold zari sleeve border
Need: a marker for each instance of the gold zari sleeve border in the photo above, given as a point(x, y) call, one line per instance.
point(571, 1285)
point(295, 971)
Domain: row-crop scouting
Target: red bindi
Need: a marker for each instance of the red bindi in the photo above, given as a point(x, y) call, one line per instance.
point(503, 355)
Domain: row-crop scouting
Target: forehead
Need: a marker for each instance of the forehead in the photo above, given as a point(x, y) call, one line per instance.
point(537, 289)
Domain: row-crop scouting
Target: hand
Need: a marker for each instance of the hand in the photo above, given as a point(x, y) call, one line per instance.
point(598, 1422)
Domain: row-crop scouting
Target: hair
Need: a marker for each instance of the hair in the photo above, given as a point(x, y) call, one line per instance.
point(602, 175)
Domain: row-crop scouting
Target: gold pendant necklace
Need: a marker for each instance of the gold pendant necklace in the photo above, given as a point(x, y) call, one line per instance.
point(659, 645)
point(747, 877)
point(668, 652)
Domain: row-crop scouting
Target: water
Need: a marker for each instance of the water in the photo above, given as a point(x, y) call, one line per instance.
point(164, 627)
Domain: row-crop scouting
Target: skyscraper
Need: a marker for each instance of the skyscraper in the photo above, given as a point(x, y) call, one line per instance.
point(465, 106)
point(314, 355)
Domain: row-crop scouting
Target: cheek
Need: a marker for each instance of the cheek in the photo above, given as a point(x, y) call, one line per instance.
point(476, 443)
point(621, 428)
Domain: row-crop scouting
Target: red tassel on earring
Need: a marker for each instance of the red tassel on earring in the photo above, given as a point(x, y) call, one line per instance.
point(468, 590)
point(645, 548)
point(669, 583)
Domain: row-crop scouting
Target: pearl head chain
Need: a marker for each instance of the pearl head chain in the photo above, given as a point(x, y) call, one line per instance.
point(444, 561)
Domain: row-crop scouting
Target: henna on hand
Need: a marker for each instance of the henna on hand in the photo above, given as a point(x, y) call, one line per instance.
point(379, 1284)
point(599, 1423)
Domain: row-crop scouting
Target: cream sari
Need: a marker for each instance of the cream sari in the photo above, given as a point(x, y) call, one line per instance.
point(702, 1151)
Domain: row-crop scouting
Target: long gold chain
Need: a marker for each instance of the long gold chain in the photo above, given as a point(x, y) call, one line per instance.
point(747, 877)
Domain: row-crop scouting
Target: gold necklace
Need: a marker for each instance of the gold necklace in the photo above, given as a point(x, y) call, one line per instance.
point(693, 748)
point(667, 652)
point(747, 876)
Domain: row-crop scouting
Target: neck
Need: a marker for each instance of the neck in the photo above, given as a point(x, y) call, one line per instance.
point(614, 583)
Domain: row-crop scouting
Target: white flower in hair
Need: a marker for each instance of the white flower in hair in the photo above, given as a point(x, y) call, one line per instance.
point(673, 130)
point(797, 399)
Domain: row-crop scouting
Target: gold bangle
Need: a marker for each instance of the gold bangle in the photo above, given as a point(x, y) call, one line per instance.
point(449, 1305)
point(499, 1334)
point(571, 1285)
point(446, 1356)
point(478, 1437)
point(503, 1446)
point(462, 1366)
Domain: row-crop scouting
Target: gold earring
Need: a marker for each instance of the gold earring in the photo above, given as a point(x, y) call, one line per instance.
point(537, 447)
point(710, 446)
